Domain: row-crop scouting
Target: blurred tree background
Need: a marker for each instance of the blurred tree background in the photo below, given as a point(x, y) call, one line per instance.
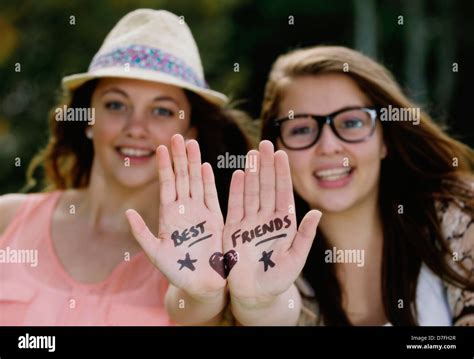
point(420, 41)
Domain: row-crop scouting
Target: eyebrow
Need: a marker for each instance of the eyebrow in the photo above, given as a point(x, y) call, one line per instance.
point(166, 98)
point(123, 93)
point(116, 90)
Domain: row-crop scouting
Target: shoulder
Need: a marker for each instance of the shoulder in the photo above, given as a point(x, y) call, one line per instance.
point(456, 214)
point(9, 207)
point(457, 226)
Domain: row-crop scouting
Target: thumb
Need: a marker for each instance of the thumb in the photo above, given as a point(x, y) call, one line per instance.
point(306, 233)
point(141, 232)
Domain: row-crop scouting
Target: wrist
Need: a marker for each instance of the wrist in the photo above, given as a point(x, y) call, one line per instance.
point(253, 303)
point(283, 309)
point(212, 297)
point(187, 309)
point(202, 298)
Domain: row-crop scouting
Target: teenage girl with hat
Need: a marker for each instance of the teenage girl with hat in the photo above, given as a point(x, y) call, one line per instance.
point(145, 84)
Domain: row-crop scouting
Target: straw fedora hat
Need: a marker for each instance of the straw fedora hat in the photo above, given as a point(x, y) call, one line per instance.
point(152, 45)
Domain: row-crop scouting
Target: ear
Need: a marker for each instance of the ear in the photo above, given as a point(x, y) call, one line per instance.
point(191, 133)
point(89, 133)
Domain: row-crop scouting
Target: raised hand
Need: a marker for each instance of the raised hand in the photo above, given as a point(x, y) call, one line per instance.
point(190, 221)
point(265, 251)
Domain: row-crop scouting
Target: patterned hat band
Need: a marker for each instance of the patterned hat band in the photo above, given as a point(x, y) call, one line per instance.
point(148, 58)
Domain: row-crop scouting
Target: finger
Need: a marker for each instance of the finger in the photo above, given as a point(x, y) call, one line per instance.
point(251, 187)
point(267, 177)
point(306, 232)
point(284, 186)
point(210, 192)
point(180, 163)
point(235, 206)
point(195, 177)
point(165, 176)
point(142, 233)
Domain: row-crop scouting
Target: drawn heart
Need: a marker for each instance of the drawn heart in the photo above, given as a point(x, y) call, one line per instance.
point(223, 263)
point(230, 260)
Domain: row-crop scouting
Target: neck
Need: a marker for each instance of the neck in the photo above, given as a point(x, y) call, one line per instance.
point(359, 227)
point(355, 232)
point(105, 203)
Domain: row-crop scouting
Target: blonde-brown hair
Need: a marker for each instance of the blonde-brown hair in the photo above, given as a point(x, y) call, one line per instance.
point(424, 167)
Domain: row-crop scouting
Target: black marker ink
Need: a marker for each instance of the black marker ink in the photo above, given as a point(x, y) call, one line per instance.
point(201, 226)
point(223, 263)
point(200, 239)
point(268, 227)
point(261, 230)
point(187, 262)
point(247, 236)
point(234, 237)
point(270, 239)
point(267, 262)
point(188, 233)
point(194, 231)
point(278, 224)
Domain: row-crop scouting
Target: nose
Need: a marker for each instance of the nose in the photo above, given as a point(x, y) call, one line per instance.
point(136, 126)
point(328, 143)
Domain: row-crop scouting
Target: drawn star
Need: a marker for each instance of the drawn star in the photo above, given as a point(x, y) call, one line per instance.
point(187, 262)
point(266, 260)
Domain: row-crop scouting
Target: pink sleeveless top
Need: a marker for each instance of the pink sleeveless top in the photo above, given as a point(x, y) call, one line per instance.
point(35, 289)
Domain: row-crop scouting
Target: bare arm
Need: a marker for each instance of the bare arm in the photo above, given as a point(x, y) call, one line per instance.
point(265, 249)
point(190, 233)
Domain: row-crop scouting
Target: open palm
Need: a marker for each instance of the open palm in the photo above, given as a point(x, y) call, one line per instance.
point(190, 221)
point(266, 252)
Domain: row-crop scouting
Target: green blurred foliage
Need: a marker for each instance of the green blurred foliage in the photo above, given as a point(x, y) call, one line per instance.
point(38, 36)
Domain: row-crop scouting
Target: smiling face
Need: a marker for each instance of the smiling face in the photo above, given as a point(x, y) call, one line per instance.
point(332, 175)
point(132, 118)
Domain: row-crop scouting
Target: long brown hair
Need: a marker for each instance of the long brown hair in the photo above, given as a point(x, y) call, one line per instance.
point(67, 158)
point(424, 166)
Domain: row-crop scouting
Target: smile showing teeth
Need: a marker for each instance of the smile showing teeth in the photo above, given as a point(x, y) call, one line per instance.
point(333, 173)
point(134, 152)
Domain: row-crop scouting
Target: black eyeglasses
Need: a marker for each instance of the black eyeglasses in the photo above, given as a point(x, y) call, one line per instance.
point(350, 124)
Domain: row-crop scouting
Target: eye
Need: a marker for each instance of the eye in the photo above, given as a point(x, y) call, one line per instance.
point(302, 130)
point(162, 112)
point(115, 106)
point(353, 123)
